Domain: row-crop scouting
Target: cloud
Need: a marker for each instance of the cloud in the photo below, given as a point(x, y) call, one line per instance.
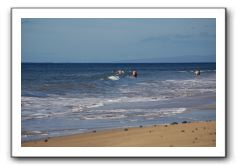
point(183, 36)
point(167, 38)
point(156, 39)
point(174, 38)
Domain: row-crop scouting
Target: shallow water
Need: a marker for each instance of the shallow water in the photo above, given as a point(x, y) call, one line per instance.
point(62, 99)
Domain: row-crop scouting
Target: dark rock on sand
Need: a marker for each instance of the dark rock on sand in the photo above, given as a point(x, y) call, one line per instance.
point(174, 123)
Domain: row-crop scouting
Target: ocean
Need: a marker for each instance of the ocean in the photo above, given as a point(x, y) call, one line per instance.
point(60, 99)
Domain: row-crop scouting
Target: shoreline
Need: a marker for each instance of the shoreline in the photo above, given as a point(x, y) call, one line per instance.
point(194, 134)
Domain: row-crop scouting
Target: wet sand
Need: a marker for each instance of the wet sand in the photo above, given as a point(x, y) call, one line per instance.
point(196, 134)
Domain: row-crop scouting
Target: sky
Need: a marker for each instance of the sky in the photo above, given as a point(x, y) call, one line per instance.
point(117, 40)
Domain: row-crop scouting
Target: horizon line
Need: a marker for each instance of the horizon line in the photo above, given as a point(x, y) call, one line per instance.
point(114, 62)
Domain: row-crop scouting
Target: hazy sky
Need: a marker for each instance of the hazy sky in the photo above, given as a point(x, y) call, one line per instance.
point(118, 40)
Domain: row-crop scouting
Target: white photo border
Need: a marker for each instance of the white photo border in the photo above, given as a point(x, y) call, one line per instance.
point(218, 13)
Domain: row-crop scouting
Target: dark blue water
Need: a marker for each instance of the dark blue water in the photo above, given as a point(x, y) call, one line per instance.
point(61, 99)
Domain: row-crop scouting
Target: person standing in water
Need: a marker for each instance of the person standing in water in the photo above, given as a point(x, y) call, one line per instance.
point(197, 72)
point(134, 73)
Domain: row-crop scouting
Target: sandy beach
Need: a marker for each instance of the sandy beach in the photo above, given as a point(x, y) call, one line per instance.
point(196, 134)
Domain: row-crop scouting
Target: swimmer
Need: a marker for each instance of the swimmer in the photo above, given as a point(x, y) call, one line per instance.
point(119, 72)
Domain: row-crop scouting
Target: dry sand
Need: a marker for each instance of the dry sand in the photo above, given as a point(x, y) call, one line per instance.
point(197, 134)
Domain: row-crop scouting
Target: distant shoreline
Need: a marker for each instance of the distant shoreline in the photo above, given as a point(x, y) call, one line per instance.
point(195, 134)
point(118, 62)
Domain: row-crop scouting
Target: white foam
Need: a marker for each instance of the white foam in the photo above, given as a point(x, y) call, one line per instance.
point(95, 105)
point(38, 108)
point(77, 109)
point(114, 100)
point(164, 112)
point(36, 132)
point(173, 110)
point(44, 134)
point(103, 116)
point(133, 99)
point(32, 133)
point(114, 78)
point(113, 110)
point(132, 114)
point(183, 71)
point(207, 71)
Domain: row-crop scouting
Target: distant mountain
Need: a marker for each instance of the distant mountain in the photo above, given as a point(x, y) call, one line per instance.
point(177, 59)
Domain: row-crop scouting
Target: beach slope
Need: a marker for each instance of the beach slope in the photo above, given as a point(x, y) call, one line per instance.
point(196, 134)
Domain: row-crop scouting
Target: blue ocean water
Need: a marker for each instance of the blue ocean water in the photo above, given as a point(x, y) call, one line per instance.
point(68, 98)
